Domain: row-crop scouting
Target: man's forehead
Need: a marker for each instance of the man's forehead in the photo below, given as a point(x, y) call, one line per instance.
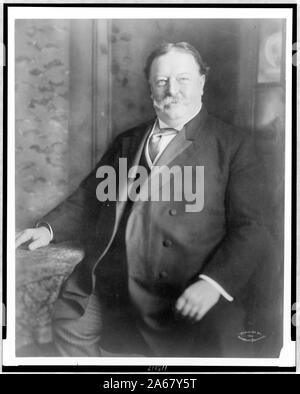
point(174, 60)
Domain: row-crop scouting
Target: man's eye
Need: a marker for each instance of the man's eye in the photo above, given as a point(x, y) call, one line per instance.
point(161, 82)
point(184, 79)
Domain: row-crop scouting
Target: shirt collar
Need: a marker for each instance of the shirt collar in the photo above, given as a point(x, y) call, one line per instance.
point(179, 126)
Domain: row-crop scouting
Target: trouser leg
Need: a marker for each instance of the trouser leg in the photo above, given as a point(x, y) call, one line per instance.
point(80, 337)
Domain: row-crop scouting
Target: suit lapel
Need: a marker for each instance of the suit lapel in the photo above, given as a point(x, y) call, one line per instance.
point(183, 145)
point(176, 147)
point(132, 145)
point(132, 148)
point(184, 139)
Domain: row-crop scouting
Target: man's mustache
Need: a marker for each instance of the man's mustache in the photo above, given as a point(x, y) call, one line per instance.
point(167, 101)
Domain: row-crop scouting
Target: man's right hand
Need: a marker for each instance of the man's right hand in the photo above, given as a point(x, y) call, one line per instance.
point(39, 236)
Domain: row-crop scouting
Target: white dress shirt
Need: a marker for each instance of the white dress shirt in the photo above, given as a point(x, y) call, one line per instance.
point(165, 140)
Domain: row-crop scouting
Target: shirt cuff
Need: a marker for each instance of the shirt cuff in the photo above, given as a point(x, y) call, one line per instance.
point(217, 287)
point(47, 225)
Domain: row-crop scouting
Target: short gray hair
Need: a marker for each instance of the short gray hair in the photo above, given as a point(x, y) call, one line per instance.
point(184, 47)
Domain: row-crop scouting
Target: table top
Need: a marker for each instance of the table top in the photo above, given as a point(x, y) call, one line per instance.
point(54, 259)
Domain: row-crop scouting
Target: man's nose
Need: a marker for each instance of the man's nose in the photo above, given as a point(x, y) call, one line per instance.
point(173, 87)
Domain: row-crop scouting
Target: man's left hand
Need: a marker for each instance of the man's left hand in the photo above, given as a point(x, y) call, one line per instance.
point(197, 300)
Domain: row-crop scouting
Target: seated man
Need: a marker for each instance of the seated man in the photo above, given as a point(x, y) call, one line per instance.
point(161, 276)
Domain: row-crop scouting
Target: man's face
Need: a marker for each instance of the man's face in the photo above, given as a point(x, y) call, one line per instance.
point(176, 86)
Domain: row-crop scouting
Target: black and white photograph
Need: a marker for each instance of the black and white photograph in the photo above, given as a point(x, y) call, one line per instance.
point(149, 186)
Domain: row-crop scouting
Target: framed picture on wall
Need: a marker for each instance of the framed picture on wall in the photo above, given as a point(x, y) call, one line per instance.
point(271, 52)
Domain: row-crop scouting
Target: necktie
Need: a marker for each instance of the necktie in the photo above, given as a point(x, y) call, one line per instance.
point(156, 139)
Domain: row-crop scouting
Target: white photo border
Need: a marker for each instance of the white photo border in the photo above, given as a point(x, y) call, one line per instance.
point(288, 354)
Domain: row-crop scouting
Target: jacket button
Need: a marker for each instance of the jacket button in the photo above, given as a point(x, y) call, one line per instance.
point(173, 212)
point(163, 274)
point(167, 243)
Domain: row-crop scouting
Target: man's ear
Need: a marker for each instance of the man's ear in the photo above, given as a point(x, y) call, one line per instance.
point(150, 90)
point(203, 79)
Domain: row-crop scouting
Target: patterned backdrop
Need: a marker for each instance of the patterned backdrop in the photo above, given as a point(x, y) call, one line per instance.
point(42, 112)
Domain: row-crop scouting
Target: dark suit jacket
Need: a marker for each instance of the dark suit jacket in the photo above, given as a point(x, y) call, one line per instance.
point(167, 247)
